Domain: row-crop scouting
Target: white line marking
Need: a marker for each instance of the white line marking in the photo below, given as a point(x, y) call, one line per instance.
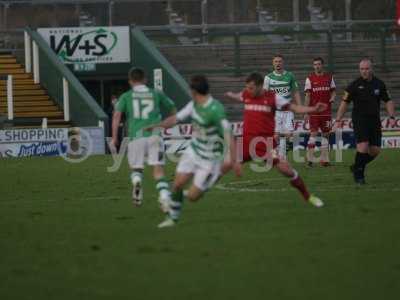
point(233, 186)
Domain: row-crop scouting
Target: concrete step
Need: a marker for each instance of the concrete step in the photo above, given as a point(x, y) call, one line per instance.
point(24, 92)
point(8, 55)
point(17, 81)
point(26, 98)
point(28, 103)
point(42, 109)
point(10, 66)
point(34, 114)
point(22, 76)
point(8, 60)
point(21, 87)
point(12, 71)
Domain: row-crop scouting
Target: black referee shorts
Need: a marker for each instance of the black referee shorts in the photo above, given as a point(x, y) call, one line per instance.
point(368, 130)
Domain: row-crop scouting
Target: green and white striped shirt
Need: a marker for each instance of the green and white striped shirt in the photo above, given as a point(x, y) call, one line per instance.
point(282, 84)
point(209, 125)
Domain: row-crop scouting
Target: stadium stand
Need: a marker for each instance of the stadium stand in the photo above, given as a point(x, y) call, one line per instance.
point(215, 57)
point(30, 100)
point(40, 102)
point(52, 13)
point(298, 58)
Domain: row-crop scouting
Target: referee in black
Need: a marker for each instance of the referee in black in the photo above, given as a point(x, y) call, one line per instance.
point(366, 93)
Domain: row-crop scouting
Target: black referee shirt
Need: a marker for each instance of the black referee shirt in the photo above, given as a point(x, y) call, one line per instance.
point(366, 97)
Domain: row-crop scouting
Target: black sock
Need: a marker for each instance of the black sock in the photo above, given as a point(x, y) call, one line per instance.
point(370, 158)
point(360, 162)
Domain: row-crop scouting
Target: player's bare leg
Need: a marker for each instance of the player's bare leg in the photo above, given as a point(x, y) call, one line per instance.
point(325, 150)
point(162, 186)
point(297, 182)
point(311, 148)
point(225, 168)
point(137, 192)
point(227, 164)
point(373, 151)
point(194, 193)
point(175, 207)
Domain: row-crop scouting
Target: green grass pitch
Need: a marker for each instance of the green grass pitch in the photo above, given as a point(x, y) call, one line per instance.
point(69, 231)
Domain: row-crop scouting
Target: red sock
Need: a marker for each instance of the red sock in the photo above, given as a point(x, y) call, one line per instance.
point(299, 184)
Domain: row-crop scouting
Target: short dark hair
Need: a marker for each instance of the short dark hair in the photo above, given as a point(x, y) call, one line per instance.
point(255, 77)
point(136, 74)
point(199, 84)
point(278, 55)
point(319, 59)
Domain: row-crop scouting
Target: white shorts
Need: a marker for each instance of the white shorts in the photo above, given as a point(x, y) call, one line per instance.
point(205, 172)
point(284, 122)
point(146, 149)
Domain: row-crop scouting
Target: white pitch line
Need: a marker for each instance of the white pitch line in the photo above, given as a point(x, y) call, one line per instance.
point(247, 190)
point(226, 187)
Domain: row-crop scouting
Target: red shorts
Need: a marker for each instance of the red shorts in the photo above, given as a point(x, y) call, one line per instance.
point(322, 123)
point(262, 147)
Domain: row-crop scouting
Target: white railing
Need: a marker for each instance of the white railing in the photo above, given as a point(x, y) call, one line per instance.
point(44, 123)
point(28, 50)
point(32, 62)
point(31, 57)
point(36, 69)
point(10, 97)
point(66, 100)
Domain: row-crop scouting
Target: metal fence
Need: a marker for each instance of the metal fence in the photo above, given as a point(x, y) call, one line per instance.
point(64, 13)
point(12, 41)
point(237, 46)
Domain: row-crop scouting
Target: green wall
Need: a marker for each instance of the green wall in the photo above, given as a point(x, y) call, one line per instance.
point(146, 55)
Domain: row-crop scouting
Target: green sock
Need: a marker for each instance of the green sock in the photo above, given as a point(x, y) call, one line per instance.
point(176, 205)
point(162, 186)
point(136, 174)
point(178, 196)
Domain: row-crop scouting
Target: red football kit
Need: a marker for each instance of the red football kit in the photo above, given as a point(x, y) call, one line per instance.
point(320, 88)
point(259, 123)
point(259, 127)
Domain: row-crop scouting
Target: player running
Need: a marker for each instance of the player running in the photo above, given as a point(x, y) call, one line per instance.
point(284, 84)
point(260, 107)
point(210, 146)
point(142, 108)
point(319, 88)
